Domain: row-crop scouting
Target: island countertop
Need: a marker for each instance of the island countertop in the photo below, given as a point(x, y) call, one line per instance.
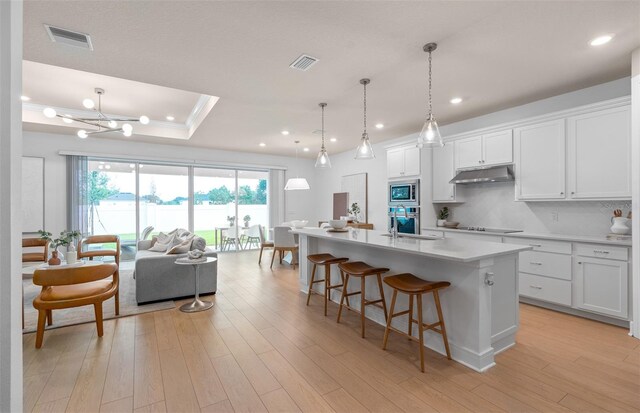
point(441, 248)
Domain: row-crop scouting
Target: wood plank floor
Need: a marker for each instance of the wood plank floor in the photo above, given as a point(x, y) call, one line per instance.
point(261, 349)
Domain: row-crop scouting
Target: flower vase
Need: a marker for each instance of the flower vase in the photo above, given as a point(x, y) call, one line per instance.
point(54, 260)
point(619, 225)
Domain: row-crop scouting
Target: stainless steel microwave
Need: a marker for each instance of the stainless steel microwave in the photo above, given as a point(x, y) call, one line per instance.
point(405, 192)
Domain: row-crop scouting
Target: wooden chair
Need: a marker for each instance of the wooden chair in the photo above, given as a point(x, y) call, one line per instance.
point(91, 254)
point(263, 243)
point(325, 260)
point(415, 287)
point(35, 256)
point(73, 287)
point(283, 241)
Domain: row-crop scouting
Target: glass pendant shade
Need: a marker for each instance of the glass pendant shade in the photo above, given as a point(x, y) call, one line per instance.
point(364, 150)
point(430, 135)
point(296, 184)
point(323, 160)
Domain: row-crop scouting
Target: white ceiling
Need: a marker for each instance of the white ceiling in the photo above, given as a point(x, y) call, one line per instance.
point(493, 54)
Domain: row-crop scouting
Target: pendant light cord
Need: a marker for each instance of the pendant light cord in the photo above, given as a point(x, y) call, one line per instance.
point(430, 108)
point(322, 106)
point(365, 107)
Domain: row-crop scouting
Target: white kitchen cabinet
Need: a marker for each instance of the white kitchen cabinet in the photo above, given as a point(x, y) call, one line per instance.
point(468, 153)
point(402, 162)
point(443, 170)
point(540, 160)
point(485, 150)
point(599, 155)
point(601, 286)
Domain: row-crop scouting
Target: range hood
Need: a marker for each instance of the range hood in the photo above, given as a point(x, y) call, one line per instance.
point(493, 174)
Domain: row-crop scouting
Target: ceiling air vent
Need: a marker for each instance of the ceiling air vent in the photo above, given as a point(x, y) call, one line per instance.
point(69, 37)
point(304, 62)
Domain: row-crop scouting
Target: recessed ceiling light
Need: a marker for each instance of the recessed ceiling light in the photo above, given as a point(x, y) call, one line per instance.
point(600, 40)
point(132, 165)
point(306, 149)
point(379, 125)
point(88, 103)
point(262, 144)
point(170, 118)
point(455, 101)
point(333, 139)
point(285, 132)
point(25, 98)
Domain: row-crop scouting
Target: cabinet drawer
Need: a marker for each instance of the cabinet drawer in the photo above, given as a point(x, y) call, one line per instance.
point(602, 251)
point(559, 247)
point(546, 289)
point(546, 263)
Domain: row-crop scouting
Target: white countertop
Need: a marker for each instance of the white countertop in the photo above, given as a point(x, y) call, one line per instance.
point(557, 237)
point(441, 248)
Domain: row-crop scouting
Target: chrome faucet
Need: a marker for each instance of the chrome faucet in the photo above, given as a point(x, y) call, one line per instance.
point(394, 227)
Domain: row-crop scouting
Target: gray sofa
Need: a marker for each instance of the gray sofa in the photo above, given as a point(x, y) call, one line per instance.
point(159, 278)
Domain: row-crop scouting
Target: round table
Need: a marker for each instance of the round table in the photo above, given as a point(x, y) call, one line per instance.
point(197, 304)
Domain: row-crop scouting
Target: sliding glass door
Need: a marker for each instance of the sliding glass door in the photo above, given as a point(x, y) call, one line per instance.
point(164, 197)
point(214, 209)
point(252, 206)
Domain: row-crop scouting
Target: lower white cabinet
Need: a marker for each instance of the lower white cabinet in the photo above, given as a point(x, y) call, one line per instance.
point(602, 286)
point(548, 289)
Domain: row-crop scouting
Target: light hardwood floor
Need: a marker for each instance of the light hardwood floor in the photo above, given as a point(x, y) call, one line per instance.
point(261, 349)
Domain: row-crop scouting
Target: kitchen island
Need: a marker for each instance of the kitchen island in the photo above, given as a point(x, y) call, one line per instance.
point(480, 308)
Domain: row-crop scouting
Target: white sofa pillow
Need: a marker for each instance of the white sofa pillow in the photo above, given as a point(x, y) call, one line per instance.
point(163, 246)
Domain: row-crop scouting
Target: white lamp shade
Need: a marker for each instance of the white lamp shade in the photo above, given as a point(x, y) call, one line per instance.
point(430, 135)
point(364, 150)
point(323, 160)
point(296, 184)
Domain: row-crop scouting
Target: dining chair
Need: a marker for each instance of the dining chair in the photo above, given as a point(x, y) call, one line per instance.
point(102, 252)
point(35, 256)
point(145, 232)
point(252, 236)
point(230, 238)
point(73, 287)
point(263, 243)
point(283, 241)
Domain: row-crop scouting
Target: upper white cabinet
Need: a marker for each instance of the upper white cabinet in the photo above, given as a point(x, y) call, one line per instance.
point(540, 160)
point(443, 170)
point(403, 162)
point(599, 154)
point(485, 150)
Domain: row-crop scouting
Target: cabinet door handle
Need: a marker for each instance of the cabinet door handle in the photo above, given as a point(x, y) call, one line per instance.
point(580, 262)
point(479, 161)
point(600, 251)
point(561, 193)
point(573, 193)
point(488, 279)
point(537, 287)
point(535, 263)
point(535, 245)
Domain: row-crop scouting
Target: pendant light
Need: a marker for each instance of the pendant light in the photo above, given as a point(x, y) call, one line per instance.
point(364, 150)
point(323, 157)
point(430, 134)
point(297, 183)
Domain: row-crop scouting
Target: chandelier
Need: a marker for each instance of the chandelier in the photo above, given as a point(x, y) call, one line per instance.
point(100, 123)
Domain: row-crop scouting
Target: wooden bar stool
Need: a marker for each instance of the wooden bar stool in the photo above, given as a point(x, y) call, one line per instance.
point(326, 260)
point(414, 286)
point(362, 270)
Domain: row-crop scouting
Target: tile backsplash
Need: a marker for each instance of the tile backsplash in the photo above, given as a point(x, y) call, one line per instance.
point(493, 205)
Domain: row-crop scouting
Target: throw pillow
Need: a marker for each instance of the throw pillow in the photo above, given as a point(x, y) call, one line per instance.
point(163, 238)
point(182, 247)
point(182, 233)
point(162, 246)
point(198, 243)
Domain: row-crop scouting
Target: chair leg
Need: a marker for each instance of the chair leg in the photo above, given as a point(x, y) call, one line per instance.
point(97, 308)
point(410, 315)
point(388, 329)
point(281, 256)
point(260, 256)
point(117, 301)
point(344, 286)
point(436, 297)
point(42, 318)
point(384, 301)
point(273, 256)
point(362, 305)
point(313, 277)
point(420, 332)
point(344, 292)
point(327, 283)
point(49, 317)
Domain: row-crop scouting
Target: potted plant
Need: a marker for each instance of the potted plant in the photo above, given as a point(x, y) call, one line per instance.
point(443, 214)
point(231, 220)
point(354, 210)
point(246, 219)
point(65, 239)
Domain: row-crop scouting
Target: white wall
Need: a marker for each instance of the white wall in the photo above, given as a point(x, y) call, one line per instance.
point(10, 206)
point(299, 204)
point(635, 165)
point(481, 209)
